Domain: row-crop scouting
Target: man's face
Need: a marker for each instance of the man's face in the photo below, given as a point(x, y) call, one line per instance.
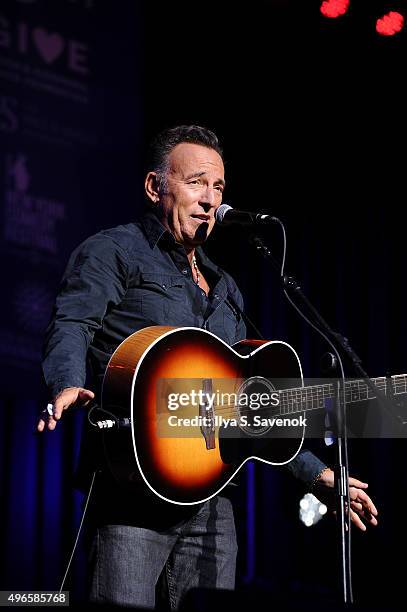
point(195, 184)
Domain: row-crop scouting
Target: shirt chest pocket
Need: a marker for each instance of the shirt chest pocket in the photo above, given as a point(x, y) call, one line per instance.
point(160, 297)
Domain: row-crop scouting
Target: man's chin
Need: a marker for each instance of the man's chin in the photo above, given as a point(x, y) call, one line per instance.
point(202, 233)
point(199, 236)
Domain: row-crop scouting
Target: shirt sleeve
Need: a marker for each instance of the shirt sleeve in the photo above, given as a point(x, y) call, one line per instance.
point(95, 278)
point(306, 467)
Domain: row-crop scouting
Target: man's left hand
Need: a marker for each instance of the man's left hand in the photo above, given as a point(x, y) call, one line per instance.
point(362, 510)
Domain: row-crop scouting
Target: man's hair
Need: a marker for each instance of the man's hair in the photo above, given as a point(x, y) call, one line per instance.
point(162, 145)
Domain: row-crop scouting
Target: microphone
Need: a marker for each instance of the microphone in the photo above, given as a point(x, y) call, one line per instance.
point(226, 215)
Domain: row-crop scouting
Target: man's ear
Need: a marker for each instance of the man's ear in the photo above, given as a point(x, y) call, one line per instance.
point(151, 187)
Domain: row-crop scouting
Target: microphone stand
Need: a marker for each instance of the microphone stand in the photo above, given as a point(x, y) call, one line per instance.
point(290, 284)
point(341, 470)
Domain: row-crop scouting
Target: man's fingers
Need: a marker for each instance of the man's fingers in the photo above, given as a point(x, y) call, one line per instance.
point(357, 521)
point(361, 497)
point(361, 506)
point(370, 507)
point(354, 482)
point(45, 417)
point(52, 424)
point(85, 396)
point(70, 397)
point(356, 505)
point(46, 422)
point(372, 520)
point(357, 513)
point(66, 398)
point(60, 405)
point(86, 392)
point(364, 513)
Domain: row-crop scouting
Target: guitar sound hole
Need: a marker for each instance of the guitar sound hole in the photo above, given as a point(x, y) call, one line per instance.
point(254, 405)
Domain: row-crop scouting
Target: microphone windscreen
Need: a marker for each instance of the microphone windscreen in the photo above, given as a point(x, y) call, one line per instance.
point(221, 212)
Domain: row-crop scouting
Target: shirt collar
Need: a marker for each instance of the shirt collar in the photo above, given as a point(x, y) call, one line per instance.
point(156, 232)
point(206, 262)
point(154, 229)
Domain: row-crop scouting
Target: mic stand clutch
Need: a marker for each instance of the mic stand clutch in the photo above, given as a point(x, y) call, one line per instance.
point(341, 471)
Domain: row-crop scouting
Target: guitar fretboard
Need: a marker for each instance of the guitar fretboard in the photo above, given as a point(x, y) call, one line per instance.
point(317, 396)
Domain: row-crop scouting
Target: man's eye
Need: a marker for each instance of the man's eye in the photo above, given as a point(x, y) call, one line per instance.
point(194, 182)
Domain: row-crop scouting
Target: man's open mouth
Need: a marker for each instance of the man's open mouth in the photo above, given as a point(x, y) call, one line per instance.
point(202, 217)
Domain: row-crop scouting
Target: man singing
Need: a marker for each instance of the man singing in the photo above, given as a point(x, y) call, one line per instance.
point(119, 281)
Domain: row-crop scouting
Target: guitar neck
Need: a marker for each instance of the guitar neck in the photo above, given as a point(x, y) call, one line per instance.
point(318, 396)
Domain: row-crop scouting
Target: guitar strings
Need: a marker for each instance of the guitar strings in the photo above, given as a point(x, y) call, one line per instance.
point(318, 394)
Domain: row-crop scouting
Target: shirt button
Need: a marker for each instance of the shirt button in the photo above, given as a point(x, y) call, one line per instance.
point(164, 286)
point(216, 297)
point(185, 271)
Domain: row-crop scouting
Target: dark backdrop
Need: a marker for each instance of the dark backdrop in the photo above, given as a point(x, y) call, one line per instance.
point(312, 116)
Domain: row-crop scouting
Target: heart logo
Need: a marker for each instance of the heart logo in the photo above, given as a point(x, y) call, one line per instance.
point(50, 46)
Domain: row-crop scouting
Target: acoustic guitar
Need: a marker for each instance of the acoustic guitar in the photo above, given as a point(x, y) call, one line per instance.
point(188, 397)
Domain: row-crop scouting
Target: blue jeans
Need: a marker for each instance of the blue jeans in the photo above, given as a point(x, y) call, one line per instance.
point(126, 561)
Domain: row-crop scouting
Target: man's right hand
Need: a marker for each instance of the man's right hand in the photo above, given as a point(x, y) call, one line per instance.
point(67, 397)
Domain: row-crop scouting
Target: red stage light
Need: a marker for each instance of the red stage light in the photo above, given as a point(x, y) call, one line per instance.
point(390, 24)
point(334, 8)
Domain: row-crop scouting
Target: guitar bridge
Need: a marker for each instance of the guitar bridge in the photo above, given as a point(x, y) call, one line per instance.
point(207, 416)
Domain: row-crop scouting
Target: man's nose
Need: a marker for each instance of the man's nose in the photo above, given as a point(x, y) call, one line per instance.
point(208, 198)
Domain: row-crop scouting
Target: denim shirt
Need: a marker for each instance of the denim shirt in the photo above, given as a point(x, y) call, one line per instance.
point(123, 279)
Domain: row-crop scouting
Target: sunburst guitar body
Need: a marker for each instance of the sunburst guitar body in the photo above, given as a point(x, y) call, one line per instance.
point(188, 453)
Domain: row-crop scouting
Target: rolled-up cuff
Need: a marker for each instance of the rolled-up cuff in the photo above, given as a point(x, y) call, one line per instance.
point(306, 467)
